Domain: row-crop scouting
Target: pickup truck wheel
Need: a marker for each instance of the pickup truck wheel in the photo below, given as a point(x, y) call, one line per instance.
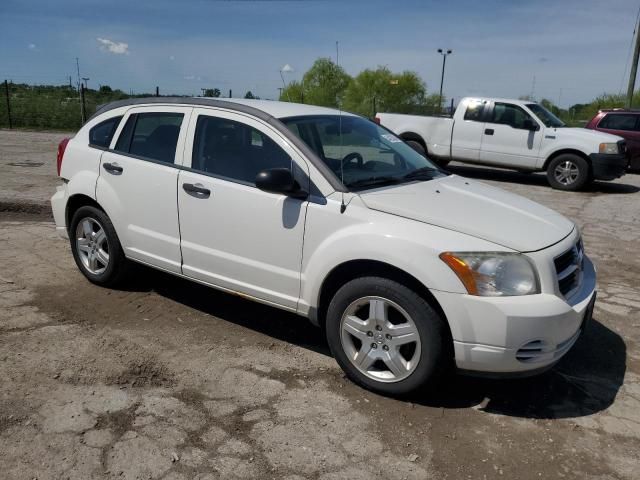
point(385, 337)
point(96, 248)
point(568, 172)
point(417, 146)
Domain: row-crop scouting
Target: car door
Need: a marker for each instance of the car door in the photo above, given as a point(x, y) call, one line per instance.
point(138, 182)
point(234, 235)
point(467, 135)
point(509, 138)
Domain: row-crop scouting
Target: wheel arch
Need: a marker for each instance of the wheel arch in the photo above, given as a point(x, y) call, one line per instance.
point(75, 202)
point(352, 269)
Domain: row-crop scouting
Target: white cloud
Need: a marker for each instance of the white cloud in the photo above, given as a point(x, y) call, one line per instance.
point(32, 46)
point(117, 48)
point(287, 69)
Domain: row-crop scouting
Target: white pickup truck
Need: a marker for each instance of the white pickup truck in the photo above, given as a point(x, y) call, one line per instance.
point(514, 134)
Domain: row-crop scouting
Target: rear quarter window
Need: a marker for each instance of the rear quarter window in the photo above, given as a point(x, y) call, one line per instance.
point(474, 111)
point(100, 136)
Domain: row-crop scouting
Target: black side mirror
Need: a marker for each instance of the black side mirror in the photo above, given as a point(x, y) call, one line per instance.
point(530, 125)
point(279, 180)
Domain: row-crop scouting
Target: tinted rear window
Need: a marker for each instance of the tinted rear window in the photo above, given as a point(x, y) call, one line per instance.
point(102, 133)
point(151, 135)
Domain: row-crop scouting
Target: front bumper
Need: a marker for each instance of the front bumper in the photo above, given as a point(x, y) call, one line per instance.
point(516, 336)
point(608, 167)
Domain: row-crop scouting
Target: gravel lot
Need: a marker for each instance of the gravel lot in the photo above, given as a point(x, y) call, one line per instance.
point(168, 379)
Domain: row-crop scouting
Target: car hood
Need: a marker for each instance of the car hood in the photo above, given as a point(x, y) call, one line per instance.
point(474, 208)
point(584, 134)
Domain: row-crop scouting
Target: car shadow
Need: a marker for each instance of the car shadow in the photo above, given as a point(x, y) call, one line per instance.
point(584, 382)
point(537, 179)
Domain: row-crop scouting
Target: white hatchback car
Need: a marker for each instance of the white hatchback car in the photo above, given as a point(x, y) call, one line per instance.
point(326, 214)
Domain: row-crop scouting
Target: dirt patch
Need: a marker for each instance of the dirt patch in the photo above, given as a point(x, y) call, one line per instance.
point(118, 422)
point(41, 210)
point(144, 373)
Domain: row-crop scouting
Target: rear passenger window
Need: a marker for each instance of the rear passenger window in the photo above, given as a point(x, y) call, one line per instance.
point(151, 135)
point(101, 135)
point(234, 150)
point(474, 111)
point(619, 121)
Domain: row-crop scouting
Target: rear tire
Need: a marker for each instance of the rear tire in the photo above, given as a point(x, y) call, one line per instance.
point(410, 337)
point(418, 147)
point(568, 172)
point(96, 248)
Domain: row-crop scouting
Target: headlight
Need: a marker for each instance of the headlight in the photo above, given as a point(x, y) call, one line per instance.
point(610, 148)
point(494, 274)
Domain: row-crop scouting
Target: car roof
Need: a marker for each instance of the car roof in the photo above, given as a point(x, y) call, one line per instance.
point(271, 108)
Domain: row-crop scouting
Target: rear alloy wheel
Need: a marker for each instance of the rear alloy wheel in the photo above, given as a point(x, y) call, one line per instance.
point(386, 337)
point(568, 172)
point(96, 248)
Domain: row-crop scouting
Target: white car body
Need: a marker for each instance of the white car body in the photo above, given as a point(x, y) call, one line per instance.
point(280, 250)
point(481, 141)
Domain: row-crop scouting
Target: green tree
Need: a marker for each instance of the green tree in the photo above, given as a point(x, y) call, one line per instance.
point(323, 84)
point(249, 95)
point(384, 91)
point(211, 92)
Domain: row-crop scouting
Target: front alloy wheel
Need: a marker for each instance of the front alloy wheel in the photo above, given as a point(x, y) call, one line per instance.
point(380, 339)
point(386, 337)
point(568, 172)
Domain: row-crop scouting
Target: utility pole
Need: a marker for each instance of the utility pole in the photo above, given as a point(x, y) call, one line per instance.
point(634, 67)
point(6, 90)
point(78, 71)
point(86, 85)
point(83, 112)
point(230, 94)
point(157, 91)
point(444, 62)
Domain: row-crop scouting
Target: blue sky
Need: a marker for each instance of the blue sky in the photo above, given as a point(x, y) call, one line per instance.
point(576, 49)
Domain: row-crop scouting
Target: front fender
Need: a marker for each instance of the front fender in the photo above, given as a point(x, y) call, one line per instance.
point(365, 234)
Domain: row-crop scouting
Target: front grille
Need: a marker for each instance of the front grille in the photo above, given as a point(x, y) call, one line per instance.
point(569, 268)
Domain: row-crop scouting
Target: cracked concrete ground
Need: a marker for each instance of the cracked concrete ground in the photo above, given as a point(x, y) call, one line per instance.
point(168, 379)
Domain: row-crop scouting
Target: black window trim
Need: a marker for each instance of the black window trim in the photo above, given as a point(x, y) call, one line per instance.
point(113, 133)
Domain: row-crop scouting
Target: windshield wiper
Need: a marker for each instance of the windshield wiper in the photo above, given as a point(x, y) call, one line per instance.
point(367, 182)
point(427, 173)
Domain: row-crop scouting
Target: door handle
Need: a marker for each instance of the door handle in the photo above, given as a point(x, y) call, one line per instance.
point(113, 168)
point(196, 190)
point(488, 131)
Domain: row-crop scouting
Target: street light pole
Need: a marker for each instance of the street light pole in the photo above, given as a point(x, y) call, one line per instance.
point(444, 62)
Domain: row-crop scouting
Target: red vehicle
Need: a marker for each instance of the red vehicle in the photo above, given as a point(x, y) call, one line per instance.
point(624, 123)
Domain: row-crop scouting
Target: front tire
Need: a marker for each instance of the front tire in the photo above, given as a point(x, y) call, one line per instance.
point(568, 172)
point(96, 248)
point(386, 337)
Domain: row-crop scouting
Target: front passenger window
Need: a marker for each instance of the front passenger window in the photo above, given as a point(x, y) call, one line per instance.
point(234, 150)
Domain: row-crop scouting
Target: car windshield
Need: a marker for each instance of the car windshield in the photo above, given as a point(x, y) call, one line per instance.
point(545, 116)
point(362, 154)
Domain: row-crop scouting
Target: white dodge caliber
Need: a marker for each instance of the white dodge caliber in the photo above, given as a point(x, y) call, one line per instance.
point(407, 268)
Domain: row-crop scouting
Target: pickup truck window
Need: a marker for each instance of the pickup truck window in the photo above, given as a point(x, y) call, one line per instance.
point(509, 114)
point(545, 116)
point(361, 153)
point(474, 111)
point(619, 121)
point(234, 150)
